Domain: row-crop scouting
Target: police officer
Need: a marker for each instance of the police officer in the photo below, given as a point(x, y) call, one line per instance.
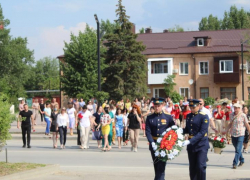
point(156, 124)
point(197, 146)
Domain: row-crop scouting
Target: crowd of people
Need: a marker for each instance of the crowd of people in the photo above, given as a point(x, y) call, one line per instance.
point(122, 119)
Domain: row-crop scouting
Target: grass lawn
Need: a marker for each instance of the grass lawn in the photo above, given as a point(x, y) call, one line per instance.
point(10, 168)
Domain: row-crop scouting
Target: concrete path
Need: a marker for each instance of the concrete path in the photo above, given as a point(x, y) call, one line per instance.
point(93, 164)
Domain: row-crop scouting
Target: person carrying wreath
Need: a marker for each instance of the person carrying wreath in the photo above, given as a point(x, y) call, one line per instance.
point(197, 123)
point(156, 124)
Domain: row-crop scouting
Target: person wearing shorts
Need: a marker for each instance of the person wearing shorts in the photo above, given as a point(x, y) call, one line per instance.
point(71, 111)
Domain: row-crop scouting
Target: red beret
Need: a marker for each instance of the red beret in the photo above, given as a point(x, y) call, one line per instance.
point(218, 106)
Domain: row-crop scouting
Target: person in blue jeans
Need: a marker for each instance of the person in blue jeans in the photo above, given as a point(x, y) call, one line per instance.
point(119, 122)
point(47, 116)
point(238, 125)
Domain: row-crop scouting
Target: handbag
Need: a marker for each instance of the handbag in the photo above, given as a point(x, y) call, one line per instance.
point(96, 135)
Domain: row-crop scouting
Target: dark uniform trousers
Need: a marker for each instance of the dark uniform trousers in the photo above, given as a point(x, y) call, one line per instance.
point(197, 164)
point(197, 128)
point(26, 129)
point(159, 166)
point(156, 124)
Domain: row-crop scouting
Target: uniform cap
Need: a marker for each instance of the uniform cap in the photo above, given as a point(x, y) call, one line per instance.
point(193, 102)
point(228, 107)
point(158, 100)
point(218, 106)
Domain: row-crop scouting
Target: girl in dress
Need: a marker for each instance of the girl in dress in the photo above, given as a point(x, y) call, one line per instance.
point(71, 111)
point(105, 121)
point(35, 109)
point(53, 127)
point(119, 122)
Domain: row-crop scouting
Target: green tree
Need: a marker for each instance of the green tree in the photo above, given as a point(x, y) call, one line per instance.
point(203, 25)
point(45, 75)
point(15, 61)
point(5, 120)
point(80, 64)
point(126, 69)
point(169, 88)
point(141, 31)
point(177, 28)
point(210, 23)
point(233, 19)
point(106, 27)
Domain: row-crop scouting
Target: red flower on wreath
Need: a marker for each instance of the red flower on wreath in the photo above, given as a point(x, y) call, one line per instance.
point(168, 140)
point(169, 147)
point(215, 138)
point(222, 140)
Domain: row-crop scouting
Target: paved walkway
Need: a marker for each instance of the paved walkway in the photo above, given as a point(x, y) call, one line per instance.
point(93, 164)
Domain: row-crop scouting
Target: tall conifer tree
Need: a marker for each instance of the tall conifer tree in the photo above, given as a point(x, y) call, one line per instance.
point(126, 65)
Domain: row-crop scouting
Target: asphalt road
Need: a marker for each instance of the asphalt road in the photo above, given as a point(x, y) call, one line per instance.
point(93, 164)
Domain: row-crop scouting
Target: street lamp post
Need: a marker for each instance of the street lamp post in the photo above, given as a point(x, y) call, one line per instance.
point(242, 70)
point(98, 52)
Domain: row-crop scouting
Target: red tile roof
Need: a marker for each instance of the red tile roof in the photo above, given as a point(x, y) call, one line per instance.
point(184, 42)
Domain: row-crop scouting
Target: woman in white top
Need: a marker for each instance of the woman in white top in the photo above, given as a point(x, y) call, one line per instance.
point(125, 131)
point(62, 123)
point(90, 107)
point(71, 111)
point(85, 122)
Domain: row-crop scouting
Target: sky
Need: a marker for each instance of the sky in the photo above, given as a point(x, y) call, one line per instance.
point(48, 23)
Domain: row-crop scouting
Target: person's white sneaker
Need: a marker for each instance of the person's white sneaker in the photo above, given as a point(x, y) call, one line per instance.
point(135, 149)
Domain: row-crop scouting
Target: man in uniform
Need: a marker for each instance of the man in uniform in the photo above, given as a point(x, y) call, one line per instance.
point(156, 124)
point(197, 123)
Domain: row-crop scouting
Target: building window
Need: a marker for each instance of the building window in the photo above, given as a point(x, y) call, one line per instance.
point(184, 92)
point(248, 93)
point(226, 66)
point(248, 67)
point(184, 68)
point(204, 93)
point(161, 67)
point(229, 93)
point(204, 68)
point(200, 42)
point(159, 93)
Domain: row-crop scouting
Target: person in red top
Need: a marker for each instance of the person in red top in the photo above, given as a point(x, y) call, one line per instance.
point(175, 113)
point(227, 122)
point(218, 117)
point(185, 113)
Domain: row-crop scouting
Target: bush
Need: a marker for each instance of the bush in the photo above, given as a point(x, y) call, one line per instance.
point(5, 120)
point(209, 101)
point(176, 97)
point(101, 96)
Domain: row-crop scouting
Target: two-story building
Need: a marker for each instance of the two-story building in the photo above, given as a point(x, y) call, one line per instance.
point(206, 63)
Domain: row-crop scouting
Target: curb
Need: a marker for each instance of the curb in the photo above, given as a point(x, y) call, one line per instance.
point(31, 174)
point(68, 138)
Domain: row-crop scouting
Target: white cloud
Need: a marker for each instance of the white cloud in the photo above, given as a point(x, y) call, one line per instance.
point(190, 26)
point(240, 2)
point(50, 41)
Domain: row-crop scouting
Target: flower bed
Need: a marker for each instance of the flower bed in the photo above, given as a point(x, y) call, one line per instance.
point(169, 144)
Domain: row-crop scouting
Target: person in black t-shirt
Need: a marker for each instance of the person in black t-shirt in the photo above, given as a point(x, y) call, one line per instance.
point(96, 122)
point(134, 126)
point(42, 106)
point(26, 117)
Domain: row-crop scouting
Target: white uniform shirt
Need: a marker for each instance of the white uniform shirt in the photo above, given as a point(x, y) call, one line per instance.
point(207, 112)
